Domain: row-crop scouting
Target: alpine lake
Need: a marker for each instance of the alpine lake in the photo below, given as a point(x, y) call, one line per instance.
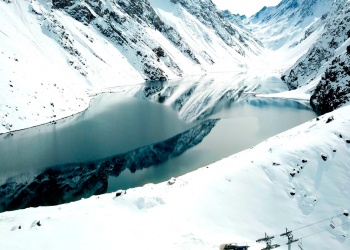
point(140, 134)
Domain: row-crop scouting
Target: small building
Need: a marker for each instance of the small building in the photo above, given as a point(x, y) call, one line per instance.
point(235, 247)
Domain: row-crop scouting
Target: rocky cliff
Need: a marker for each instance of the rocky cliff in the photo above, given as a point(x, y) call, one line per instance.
point(333, 90)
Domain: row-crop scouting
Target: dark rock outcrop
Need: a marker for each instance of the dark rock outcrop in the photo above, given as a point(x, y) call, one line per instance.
point(81, 14)
point(333, 90)
point(53, 186)
point(59, 4)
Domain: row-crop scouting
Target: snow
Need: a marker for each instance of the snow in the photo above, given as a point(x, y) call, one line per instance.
point(30, 103)
point(201, 38)
point(298, 179)
point(283, 25)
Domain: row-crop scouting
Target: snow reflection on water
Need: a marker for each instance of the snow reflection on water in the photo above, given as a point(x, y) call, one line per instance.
point(240, 127)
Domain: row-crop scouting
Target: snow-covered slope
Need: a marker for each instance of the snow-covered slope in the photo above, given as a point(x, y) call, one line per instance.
point(308, 39)
point(326, 63)
point(54, 53)
point(288, 22)
point(298, 179)
point(328, 45)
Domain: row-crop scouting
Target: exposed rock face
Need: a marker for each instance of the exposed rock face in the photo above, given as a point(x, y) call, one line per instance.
point(71, 182)
point(206, 12)
point(114, 19)
point(244, 35)
point(333, 91)
point(82, 14)
point(233, 18)
point(53, 186)
point(59, 4)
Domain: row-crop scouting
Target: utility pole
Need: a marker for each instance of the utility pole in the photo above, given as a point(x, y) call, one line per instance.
point(290, 238)
point(268, 239)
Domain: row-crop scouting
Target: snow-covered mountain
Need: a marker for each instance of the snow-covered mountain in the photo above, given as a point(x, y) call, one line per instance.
point(326, 63)
point(54, 53)
point(325, 48)
point(286, 23)
point(312, 36)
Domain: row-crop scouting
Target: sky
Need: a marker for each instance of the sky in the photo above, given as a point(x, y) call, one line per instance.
point(246, 7)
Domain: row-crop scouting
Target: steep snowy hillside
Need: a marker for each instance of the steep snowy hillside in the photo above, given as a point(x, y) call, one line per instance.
point(289, 22)
point(233, 18)
point(309, 41)
point(329, 44)
point(54, 53)
point(205, 11)
point(326, 64)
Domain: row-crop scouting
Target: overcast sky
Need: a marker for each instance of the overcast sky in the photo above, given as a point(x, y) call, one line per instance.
point(244, 7)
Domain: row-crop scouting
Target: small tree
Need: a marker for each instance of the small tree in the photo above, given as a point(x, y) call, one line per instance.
point(348, 49)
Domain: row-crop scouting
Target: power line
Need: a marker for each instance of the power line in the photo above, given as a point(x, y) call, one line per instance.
point(309, 225)
point(312, 224)
point(323, 230)
point(268, 239)
point(290, 238)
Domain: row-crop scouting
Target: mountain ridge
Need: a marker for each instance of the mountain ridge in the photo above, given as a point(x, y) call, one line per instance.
point(73, 48)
